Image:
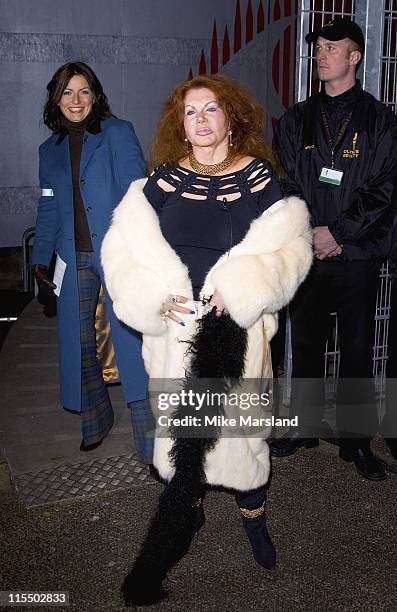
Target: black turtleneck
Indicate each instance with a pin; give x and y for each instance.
(76, 131)
(337, 108)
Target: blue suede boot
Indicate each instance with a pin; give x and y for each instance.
(252, 508)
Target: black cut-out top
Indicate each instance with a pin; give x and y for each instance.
(203, 217)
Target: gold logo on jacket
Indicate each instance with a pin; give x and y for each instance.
(352, 153)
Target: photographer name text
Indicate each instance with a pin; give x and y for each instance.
(244, 420)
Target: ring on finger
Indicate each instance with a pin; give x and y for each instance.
(173, 299)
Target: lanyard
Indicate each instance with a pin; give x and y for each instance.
(340, 133)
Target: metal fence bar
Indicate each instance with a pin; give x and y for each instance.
(367, 13)
(301, 70)
(389, 56)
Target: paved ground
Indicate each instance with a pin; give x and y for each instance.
(35, 431)
(335, 532)
(12, 302)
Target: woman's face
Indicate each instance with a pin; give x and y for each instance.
(76, 101)
(205, 123)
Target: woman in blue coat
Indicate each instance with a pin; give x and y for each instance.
(86, 167)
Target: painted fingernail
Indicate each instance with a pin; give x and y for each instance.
(192, 312)
(183, 324)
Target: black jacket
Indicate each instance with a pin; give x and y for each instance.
(359, 212)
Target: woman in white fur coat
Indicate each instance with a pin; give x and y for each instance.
(199, 258)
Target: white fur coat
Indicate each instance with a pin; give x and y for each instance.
(257, 278)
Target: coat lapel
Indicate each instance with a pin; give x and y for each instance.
(90, 144)
(138, 224)
(61, 160)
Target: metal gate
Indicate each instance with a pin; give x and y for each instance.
(378, 74)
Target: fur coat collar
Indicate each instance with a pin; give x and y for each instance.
(257, 278)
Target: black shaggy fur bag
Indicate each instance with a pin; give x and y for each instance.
(217, 353)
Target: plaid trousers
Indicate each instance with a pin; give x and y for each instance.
(96, 409)
(143, 429)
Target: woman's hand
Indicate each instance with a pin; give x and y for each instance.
(217, 301)
(42, 278)
(172, 305)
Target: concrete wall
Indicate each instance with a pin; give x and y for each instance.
(139, 49)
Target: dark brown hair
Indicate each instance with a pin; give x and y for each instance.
(245, 115)
(52, 114)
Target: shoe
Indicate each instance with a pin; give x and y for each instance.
(392, 446)
(367, 465)
(254, 523)
(86, 448)
(261, 544)
(154, 473)
(290, 443)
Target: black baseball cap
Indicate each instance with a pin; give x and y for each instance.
(337, 29)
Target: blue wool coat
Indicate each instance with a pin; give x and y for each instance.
(110, 160)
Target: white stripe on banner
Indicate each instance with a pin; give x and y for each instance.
(47, 192)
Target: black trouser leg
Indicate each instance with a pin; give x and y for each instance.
(310, 325)
(277, 343)
(277, 348)
(356, 414)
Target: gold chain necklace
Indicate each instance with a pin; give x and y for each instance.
(213, 168)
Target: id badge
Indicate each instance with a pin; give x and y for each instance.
(330, 175)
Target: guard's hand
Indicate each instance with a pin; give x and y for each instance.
(323, 242)
(337, 251)
(42, 278)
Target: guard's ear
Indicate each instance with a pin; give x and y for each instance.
(355, 57)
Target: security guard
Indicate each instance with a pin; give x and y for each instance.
(338, 151)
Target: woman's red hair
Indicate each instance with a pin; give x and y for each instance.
(245, 115)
